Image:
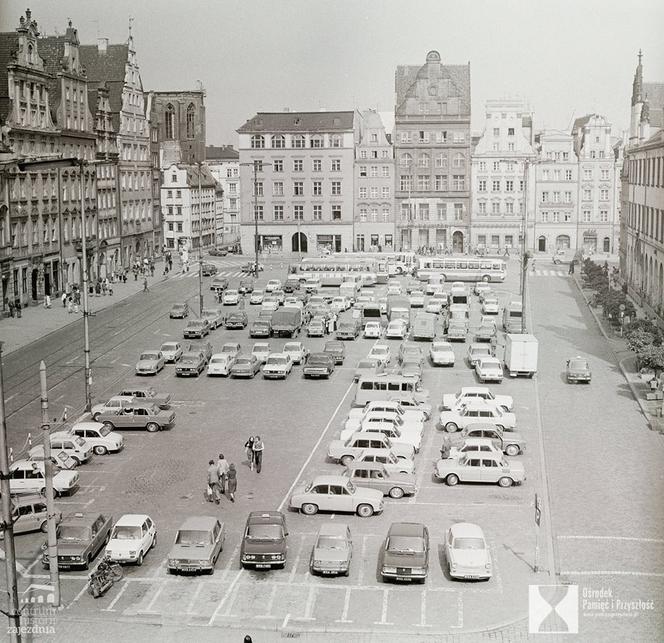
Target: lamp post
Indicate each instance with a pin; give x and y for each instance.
(86, 312)
(256, 164)
(200, 242)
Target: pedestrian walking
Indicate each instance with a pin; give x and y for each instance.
(64, 299)
(222, 468)
(47, 301)
(18, 308)
(151, 270)
(571, 267)
(335, 317)
(145, 285)
(258, 447)
(213, 482)
(231, 483)
(70, 304)
(12, 308)
(249, 447)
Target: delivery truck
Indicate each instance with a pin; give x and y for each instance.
(286, 322)
(520, 354)
(424, 326)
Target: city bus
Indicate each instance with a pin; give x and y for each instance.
(462, 268)
(334, 270)
(391, 263)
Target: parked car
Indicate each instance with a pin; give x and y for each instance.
(270, 303)
(578, 370)
(261, 350)
(209, 269)
(198, 543)
(416, 299)
(490, 306)
(485, 332)
(245, 365)
(466, 393)
(257, 296)
(380, 353)
(218, 252)
(133, 536)
(191, 363)
(367, 367)
(412, 414)
(336, 349)
(476, 446)
(411, 369)
(481, 286)
(232, 348)
(441, 353)
(214, 317)
(29, 513)
(114, 404)
(172, 352)
(81, 536)
(264, 542)
(139, 416)
(236, 320)
(203, 347)
(260, 328)
(150, 362)
(333, 550)
(373, 330)
(375, 476)
(348, 329)
(508, 441)
(272, 285)
(489, 369)
(99, 437)
(467, 553)
(410, 352)
(345, 451)
(457, 329)
(476, 351)
(337, 494)
(277, 366)
(219, 284)
(297, 351)
(316, 327)
(397, 329)
(319, 365)
(29, 476)
(340, 304)
(246, 286)
(388, 458)
(196, 328)
(475, 411)
(391, 424)
(487, 468)
(220, 364)
(179, 311)
(76, 447)
(231, 297)
(405, 553)
(147, 393)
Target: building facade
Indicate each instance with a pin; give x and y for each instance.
(432, 145)
(499, 163)
(642, 220)
(224, 164)
(374, 220)
(296, 181)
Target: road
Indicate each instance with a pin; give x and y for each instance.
(590, 528)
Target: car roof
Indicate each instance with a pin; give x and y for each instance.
(83, 518)
(199, 523)
(278, 354)
(85, 425)
(336, 529)
(466, 530)
(474, 389)
(478, 404)
(489, 359)
(482, 426)
(477, 441)
(131, 520)
(265, 517)
(330, 479)
(406, 529)
(366, 465)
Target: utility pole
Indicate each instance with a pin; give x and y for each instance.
(524, 247)
(86, 313)
(200, 243)
(256, 217)
(13, 612)
(48, 472)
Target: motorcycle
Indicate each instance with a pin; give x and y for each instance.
(102, 578)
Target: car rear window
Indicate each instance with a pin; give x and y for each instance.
(264, 532)
(192, 537)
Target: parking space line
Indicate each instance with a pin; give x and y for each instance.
(659, 541)
(75, 599)
(148, 610)
(111, 605)
(311, 600)
(291, 576)
(160, 568)
(344, 614)
(232, 557)
(193, 599)
(459, 624)
(423, 611)
(25, 572)
(383, 617)
(360, 578)
(611, 573)
(224, 598)
(270, 605)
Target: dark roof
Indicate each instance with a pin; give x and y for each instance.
(52, 49)
(106, 67)
(8, 48)
(654, 93)
(223, 152)
(296, 122)
(580, 122)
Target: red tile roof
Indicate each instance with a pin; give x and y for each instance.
(298, 122)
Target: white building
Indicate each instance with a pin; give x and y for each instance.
(224, 165)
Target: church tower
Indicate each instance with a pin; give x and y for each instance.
(637, 103)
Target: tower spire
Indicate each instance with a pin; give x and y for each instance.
(637, 85)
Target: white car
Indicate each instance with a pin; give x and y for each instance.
(416, 299)
(220, 364)
(150, 362)
(232, 348)
(261, 350)
(298, 353)
(411, 414)
(398, 429)
(340, 304)
(467, 553)
(380, 353)
(373, 330)
(441, 354)
(277, 366)
(394, 288)
(270, 303)
(257, 297)
(388, 459)
(436, 304)
(272, 285)
(490, 306)
(230, 298)
(397, 329)
(114, 404)
(99, 437)
(28, 476)
(172, 351)
(477, 351)
(133, 536)
(454, 401)
(473, 412)
(481, 286)
(489, 369)
(293, 302)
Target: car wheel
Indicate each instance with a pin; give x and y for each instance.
(365, 511)
(109, 425)
(505, 482)
(451, 427)
(95, 417)
(512, 449)
(152, 427)
(100, 450)
(452, 479)
(346, 460)
(139, 560)
(44, 526)
(154, 542)
(396, 492)
(309, 509)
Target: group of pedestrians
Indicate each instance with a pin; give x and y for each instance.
(221, 479)
(254, 447)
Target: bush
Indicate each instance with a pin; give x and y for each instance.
(652, 357)
(639, 340)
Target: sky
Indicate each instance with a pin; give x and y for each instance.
(567, 58)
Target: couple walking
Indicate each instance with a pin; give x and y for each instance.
(221, 477)
(254, 447)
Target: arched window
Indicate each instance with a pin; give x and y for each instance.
(406, 160)
(278, 141)
(190, 120)
(170, 122)
(257, 141)
(459, 160)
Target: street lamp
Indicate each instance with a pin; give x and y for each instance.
(256, 164)
(200, 242)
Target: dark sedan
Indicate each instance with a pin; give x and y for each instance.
(191, 363)
(196, 328)
(319, 365)
(238, 319)
(405, 555)
(179, 311)
(336, 350)
(245, 366)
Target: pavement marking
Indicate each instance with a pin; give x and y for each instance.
(466, 504)
(222, 602)
(148, 610)
(659, 541)
(11, 397)
(611, 573)
(459, 624)
(75, 599)
(231, 559)
(111, 605)
(193, 599)
(344, 614)
(286, 618)
(311, 600)
(26, 571)
(315, 447)
(383, 617)
(360, 578)
(423, 610)
(270, 605)
(291, 576)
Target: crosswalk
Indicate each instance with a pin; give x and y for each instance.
(548, 273)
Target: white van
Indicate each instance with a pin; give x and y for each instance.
(350, 289)
(371, 388)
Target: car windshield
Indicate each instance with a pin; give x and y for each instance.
(178, 306)
(265, 532)
(74, 532)
(195, 324)
(169, 347)
(243, 360)
(149, 356)
(318, 359)
(192, 537)
(257, 292)
(469, 543)
(261, 323)
(291, 348)
(277, 360)
(104, 431)
(127, 532)
(221, 359)
(189, 359)
(331, 542)
(405, 544)
(579, 364)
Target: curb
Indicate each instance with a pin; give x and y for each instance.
(623, 370)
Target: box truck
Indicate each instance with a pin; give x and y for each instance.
(520, 354)
(424, 326)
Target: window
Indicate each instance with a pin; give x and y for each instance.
(481, 206)
(495, 207)
(459, 160)
(423, 160)
(587, 194)
(496, 166)
(568, 197)
(385, 171)
(509, 186)
(587, 175)
(568, 175)
(586, 216)
(441, 211)
(604, 195)
(545, 217)
(298, 165)
(298, 188)
(316, 141)
(374, 192)
(335, 140)
(373, 171)
(191, 114)
(556, 197)
(318, 212)
(509, 207)
(258, 166)
(385, 192)
(336, 188)
(510, 131)
(458, 211)
(510, 147)
(458, 182)
(336, 213)
(423, 182)
(258, 213)
(336, 165)
(317, 165)
(604, 216)
(258, 188)
(386, 214)
(496, 131)
(545, 197)
(405, 183)
(495, 186)
(363, 193)
(481, 186)
(278, 188)
(299, 141)
(441, 183)
(374, 214)
(257, 141)
(317, 188)
(441, 160)
(298, 212)
(363, 170)
(278, 211)
(556, 217)
(278, 141)
(363, 215)
(169, 119)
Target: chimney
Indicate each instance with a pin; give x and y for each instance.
(102, 45)
(286, 109)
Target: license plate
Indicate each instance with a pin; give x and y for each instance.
(262, 566)
(328, 571)
(404, 578)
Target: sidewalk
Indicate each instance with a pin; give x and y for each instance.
(37, 321)
(626, 361)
